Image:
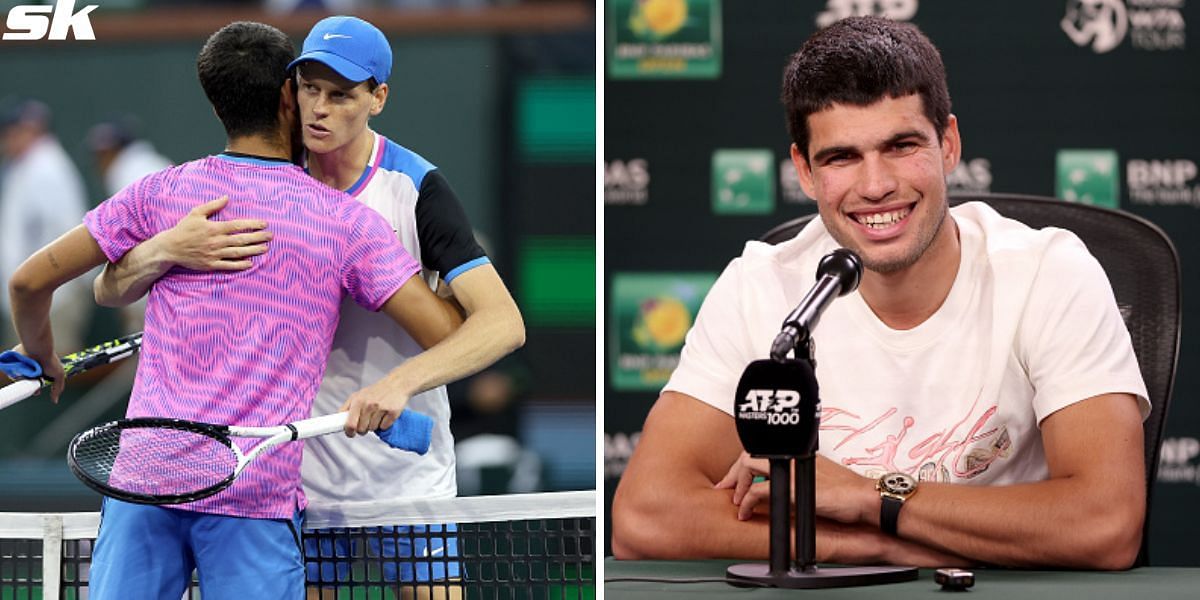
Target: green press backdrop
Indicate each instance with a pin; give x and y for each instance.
(1095, 101)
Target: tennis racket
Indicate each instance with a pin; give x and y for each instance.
(172, 461)
(73, 364)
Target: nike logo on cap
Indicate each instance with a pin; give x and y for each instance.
(330, 36)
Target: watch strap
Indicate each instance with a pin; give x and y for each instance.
(889, 514)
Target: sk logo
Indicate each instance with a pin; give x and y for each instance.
(30, 23)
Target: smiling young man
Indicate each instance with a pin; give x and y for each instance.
(981, 402)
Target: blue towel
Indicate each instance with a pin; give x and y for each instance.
(19, 366)
(411, 431)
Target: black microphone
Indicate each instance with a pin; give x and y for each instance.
(838, 274)
(777, 410)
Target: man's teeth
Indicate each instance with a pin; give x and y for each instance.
(882, 220)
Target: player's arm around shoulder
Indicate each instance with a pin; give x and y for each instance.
(195, 242)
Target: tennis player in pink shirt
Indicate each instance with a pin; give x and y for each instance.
(237, 347)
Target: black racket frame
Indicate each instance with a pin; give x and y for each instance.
(219, 433)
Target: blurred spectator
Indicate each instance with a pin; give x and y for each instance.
(121, 157)
(42, 197)
(488, 402)
(486, 410)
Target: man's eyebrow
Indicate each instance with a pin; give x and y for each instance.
(345, 88)
(919, 135)
(896, 138)
(824, 153)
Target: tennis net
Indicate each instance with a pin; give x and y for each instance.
(511, 547)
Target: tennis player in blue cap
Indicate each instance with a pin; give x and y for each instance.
(342, 77)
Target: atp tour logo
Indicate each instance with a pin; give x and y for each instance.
(1104, 24)
(776, 407)
(896, 10)
(29, 22)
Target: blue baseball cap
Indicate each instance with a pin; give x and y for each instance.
(354, 48)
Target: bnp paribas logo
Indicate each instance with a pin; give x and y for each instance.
(1089, 177)
(743, 181)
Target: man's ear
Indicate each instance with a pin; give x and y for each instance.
(379, 99)
(951, 145)
(803, 172)
(287, 96)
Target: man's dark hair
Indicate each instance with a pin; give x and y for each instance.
(859, 61)
(242, 68)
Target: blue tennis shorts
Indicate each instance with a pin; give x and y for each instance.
(410, 554)
(149, 552)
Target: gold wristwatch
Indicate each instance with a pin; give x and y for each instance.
(894, 489)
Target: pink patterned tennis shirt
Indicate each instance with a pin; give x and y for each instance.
(249, 347)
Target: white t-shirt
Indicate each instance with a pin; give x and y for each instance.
(1030, 326)
(363, 479)
(132, 163)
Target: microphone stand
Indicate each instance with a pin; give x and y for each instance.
(804, 574)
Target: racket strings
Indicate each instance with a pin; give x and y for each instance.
(155, 461)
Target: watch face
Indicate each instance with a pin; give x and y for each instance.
(897, 483)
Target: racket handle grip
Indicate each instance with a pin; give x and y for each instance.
(18, 391)
(411, 431)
